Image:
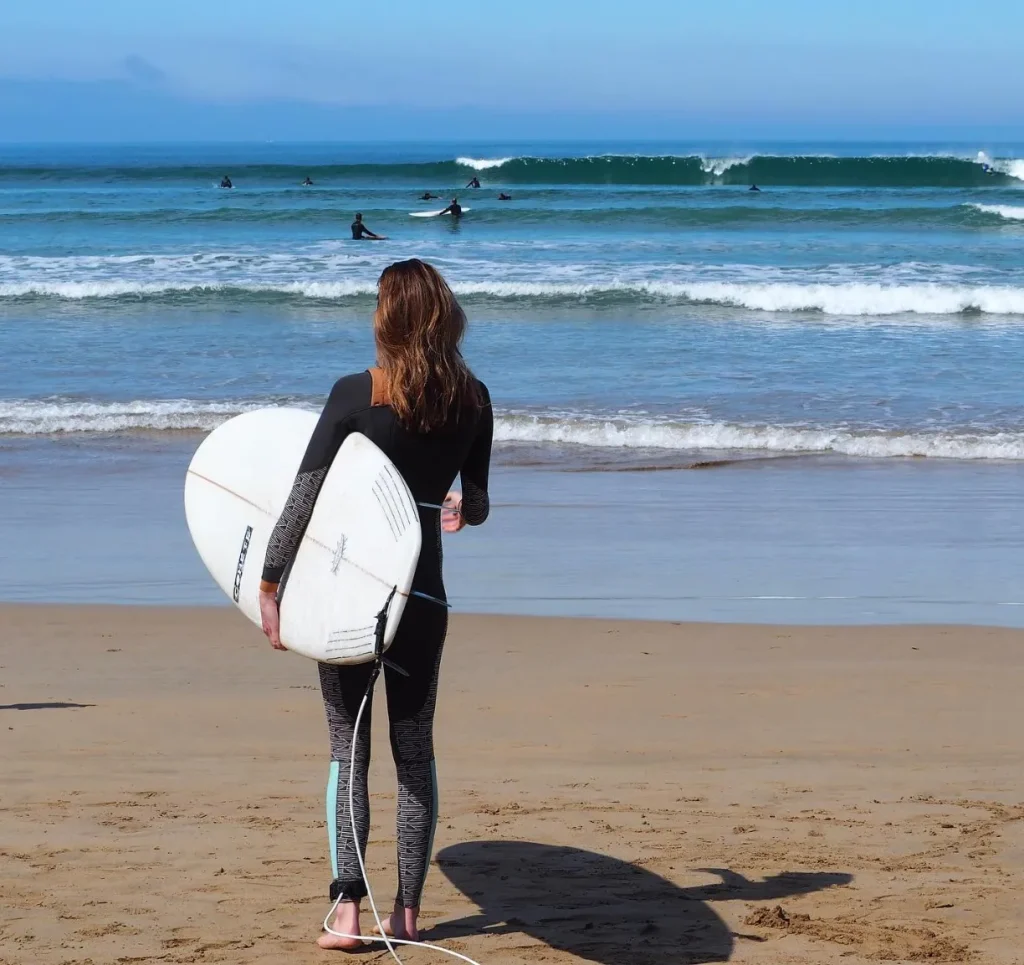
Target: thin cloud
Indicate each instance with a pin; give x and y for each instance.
(143, 72)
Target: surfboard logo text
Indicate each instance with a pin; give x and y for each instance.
(241, 563)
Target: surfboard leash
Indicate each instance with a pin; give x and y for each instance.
(379, 662)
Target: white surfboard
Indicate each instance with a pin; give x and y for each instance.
(362, 542)
(432, 214)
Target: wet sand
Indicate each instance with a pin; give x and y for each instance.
(775, 540)
(611, 792)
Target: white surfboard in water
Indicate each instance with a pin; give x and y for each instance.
(362, 542)
(432, 214)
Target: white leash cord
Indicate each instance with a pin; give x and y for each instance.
(382, 937)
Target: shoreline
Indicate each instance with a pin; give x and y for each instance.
(772, 542)
(611, 791)
(198, 610)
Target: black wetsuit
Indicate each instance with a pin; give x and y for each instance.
(429, 463)
(359, 231)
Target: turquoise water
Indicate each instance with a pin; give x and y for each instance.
(633, 307)
(869, 304)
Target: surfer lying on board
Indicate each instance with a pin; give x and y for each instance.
(360, 231)
(427, 196)
(504, 197)
(454, 209)
(428, 413)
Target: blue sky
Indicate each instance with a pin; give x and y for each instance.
(731, 67)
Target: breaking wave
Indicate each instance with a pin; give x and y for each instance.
(61, 416)
(1008, 211)
(69, 416)
(765, 169)
(851, 299)
(698, 436)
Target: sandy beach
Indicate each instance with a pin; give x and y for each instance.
(611, 792)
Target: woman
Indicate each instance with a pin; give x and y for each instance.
(422, 406)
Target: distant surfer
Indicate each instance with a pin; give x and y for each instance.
(474, 183)
(504, 197)
(308, 183)
(360, 231)
(754, 187)
(427, 196)
(454, 209)
(225, 182)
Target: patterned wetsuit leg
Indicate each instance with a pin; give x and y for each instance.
(411, 703)
(343, 689)
(417, 650)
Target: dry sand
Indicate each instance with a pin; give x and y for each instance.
(616, 793)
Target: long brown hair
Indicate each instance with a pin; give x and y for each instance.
(418, 327)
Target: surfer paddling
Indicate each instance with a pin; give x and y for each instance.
(454, 209)
(360, 231)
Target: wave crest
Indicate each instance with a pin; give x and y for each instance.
(695, 169)
(70, 416)
(718, 166)
(850, 299)
(618, 434)
(1008, 211)
(483, 164)
(764, 169)
(62, 417)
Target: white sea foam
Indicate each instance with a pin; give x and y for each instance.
(483, 164)
(1008, 211)
(71, 416)
(856, 299)
(1012, 167)
(61, 416)
(79, 290)
(719, 165)
(332, 271)
(616, 434)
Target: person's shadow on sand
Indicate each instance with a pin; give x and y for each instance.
(51, 705)
(600, 908)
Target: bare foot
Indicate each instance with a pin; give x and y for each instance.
(346, 920)
(401, 924)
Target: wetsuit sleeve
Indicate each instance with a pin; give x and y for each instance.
(349, 395)
(476, 504)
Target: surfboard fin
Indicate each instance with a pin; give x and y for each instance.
(382, 623)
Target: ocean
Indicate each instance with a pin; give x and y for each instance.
(800, 404)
